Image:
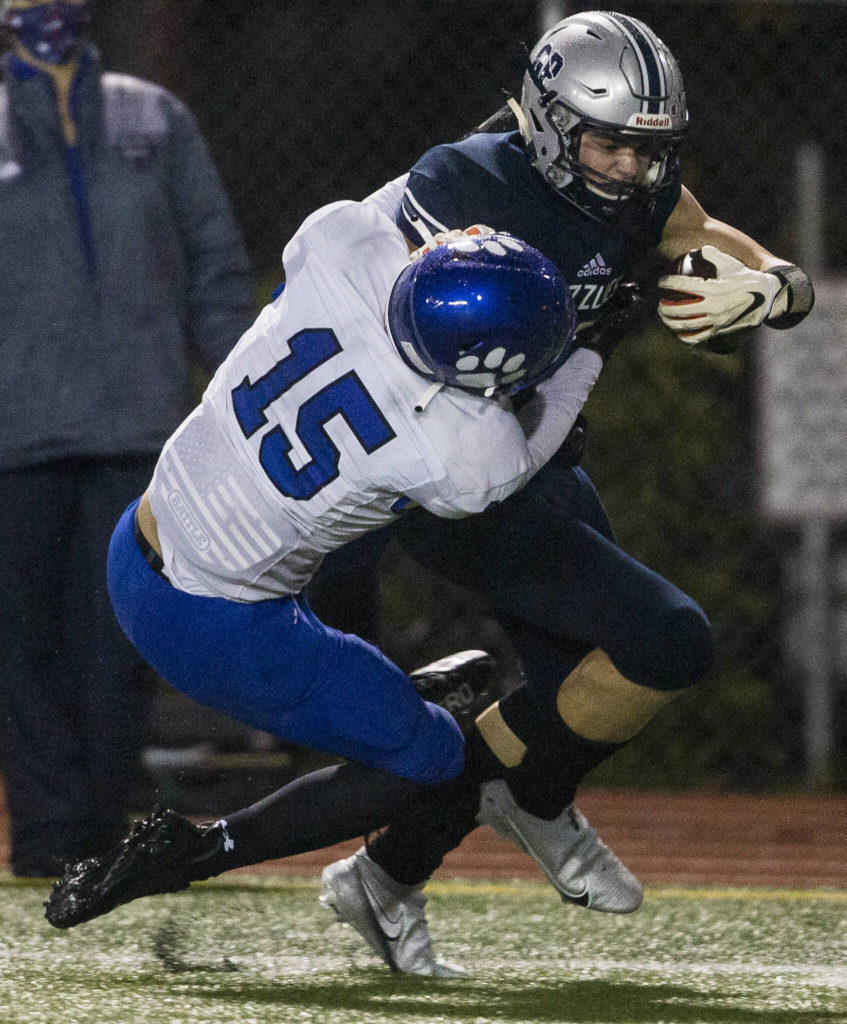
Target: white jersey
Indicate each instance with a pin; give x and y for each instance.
(307, 435)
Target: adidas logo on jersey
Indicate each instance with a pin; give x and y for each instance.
(595, 268)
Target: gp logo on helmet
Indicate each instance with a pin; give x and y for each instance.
(548, 63)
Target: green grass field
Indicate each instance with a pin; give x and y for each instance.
(258, 952)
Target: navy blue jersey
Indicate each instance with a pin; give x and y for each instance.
(488, 179)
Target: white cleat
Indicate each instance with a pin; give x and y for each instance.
(567, 849)
(387, 914)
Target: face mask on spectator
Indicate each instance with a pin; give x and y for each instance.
(52, 32)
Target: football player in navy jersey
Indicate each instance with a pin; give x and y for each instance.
(588, 172)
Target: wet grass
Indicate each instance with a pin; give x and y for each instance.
(258, 952)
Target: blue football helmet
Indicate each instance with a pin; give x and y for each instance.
(488, 314)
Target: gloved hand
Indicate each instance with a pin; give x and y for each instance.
(442, 237)
(625, 312)
(733, 298)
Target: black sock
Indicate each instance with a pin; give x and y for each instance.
(556, 758)
(520, 713)
(317, 810)
(413, 846)
(556, 761)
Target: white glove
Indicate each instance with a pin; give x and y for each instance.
(737, 297)
(443, 237)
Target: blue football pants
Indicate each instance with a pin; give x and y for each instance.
(274, 665)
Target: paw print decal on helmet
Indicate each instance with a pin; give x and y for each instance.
(471, 370)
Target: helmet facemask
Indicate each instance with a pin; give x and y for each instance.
(578, 180)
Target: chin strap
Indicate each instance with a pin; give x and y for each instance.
(794, 300)
(427, 397)
(520, 117)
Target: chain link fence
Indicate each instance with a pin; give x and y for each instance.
(306, 103)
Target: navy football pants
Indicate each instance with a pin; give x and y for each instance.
(547, 563)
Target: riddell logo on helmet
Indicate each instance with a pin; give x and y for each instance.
(649, 121)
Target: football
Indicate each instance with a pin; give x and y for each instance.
(693, 264)
(689, 264)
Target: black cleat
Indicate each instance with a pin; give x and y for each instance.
(463, 683)
(153, 858)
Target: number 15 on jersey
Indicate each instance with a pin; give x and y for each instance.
(346, 396)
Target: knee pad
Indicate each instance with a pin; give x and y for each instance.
(683, 651)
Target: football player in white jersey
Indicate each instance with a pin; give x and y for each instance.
(373, 382)
(318, 428)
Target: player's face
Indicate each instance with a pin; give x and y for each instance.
(619, 159)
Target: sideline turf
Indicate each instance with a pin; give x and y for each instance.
(256, 951)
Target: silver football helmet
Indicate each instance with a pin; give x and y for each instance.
(610, 74)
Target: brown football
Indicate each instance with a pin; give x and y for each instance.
(689, 264)
(693, 264)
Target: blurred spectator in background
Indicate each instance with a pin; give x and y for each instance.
(120, 263)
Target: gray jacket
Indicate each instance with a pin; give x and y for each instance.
(119, 259)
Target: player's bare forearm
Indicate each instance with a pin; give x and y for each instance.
(689, 227)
